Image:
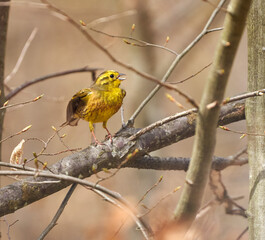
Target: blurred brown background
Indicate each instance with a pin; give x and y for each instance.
(57, 47)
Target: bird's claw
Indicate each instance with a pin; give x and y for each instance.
(109, 137)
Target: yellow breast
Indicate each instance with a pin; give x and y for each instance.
(101, 105)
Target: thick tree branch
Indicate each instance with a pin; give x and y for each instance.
(204, 144)
(180, 163)
(93, 159)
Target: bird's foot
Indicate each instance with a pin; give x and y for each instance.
(109, 137)
(98, 143)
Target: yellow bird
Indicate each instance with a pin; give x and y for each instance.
(97, 103)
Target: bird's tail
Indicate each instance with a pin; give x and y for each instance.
(71, 122)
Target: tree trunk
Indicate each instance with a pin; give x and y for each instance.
(255, 115)
(204, 143)
(4, 12)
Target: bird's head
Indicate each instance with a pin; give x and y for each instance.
(110, 79)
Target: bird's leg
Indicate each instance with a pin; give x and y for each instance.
(97, 142)
(109, 135)
(91, 127)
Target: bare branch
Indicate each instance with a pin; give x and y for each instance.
(145, 229)
(23, 4)
(8, 227)
(180, 163)
(242, 133)
(205, 138)
(60, 152)
(160, 200)
(59, 212)
(17, 133)
(149, 190)
(177, 60)
(82, 164)
(242, 234)
(112, 17)
(17, 166)
(22, 103)
(142, 198)
(193, 75)
(214, 30)
(136, 42)
(121, 63)
(22, 55)
(193, 111)
(222, 196)
(245, 95)
(52, 75)
(38, 177)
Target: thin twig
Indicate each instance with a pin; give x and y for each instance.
(214, 30)
(64, 177)
(172, 99)
(141, 199)
(53, 222)
(112, 17)
(160, 200)
(23, 4)
(161, 122)
(41, 153)
(243, 134)
(222, 197)
(63, 143)
(17, 133)
(130, 156)
(193, 110)
(238, 154)
(214, 5)
(22, 103)
(43, 182)
(149, 190)
(242, 234)
(141, 42)
(48, 76)
(58, 153)
(45, 146)
(244, 96)
(147, 232)
(121, 63)
(193, 75)
(22, 55)
(176, 61)
(36, 155)
(8, 227)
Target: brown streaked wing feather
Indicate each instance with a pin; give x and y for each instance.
(75, 103)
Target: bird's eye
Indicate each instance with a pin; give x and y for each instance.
(111, 75)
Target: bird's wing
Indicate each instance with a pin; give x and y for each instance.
(78, 101)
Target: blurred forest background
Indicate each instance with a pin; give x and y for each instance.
(58, 46)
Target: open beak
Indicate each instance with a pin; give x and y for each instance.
(122, 78)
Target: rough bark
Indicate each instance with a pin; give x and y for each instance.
(80, 164)
(4, 12)
(255, 113)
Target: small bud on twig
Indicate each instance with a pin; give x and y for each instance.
(82, 23)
